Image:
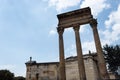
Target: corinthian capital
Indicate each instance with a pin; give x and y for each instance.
(60, 30)
(76, 28)
(93, 23)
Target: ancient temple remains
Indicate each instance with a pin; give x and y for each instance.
(75, 19)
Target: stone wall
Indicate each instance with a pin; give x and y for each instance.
(43, 71)
(50, 71)
(91, 70)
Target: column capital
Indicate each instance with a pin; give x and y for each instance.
(93, 23)
(76, 28)
(60, 30)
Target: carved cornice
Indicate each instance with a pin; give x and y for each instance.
(80, 16)
(83, 11)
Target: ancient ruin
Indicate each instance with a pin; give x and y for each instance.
(87, 67)
(75, 19)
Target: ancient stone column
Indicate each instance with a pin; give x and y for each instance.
(61, 54)
(79, 54)
(101, 62)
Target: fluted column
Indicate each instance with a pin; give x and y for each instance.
(61, 54)
(79, 54)
(101, 62)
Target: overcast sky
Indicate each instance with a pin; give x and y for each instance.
(28, 28)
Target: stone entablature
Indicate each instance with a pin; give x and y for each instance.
(80, 16)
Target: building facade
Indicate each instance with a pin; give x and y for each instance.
(50, 70)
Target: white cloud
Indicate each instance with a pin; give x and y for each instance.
(96, 6)
(71, 51)
(86, 46)
(114, 18)
(63, 4)
(112, 32)
(69, 30)
(82, 28)
(52, 32)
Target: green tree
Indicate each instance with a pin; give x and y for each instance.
(19, 78)
(6, 75)
(112, 57)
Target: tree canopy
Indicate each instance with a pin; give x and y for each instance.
(6, 75)
(112, 57)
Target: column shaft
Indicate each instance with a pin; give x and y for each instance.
(61, 54)
(79, 54)
(101, 62)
